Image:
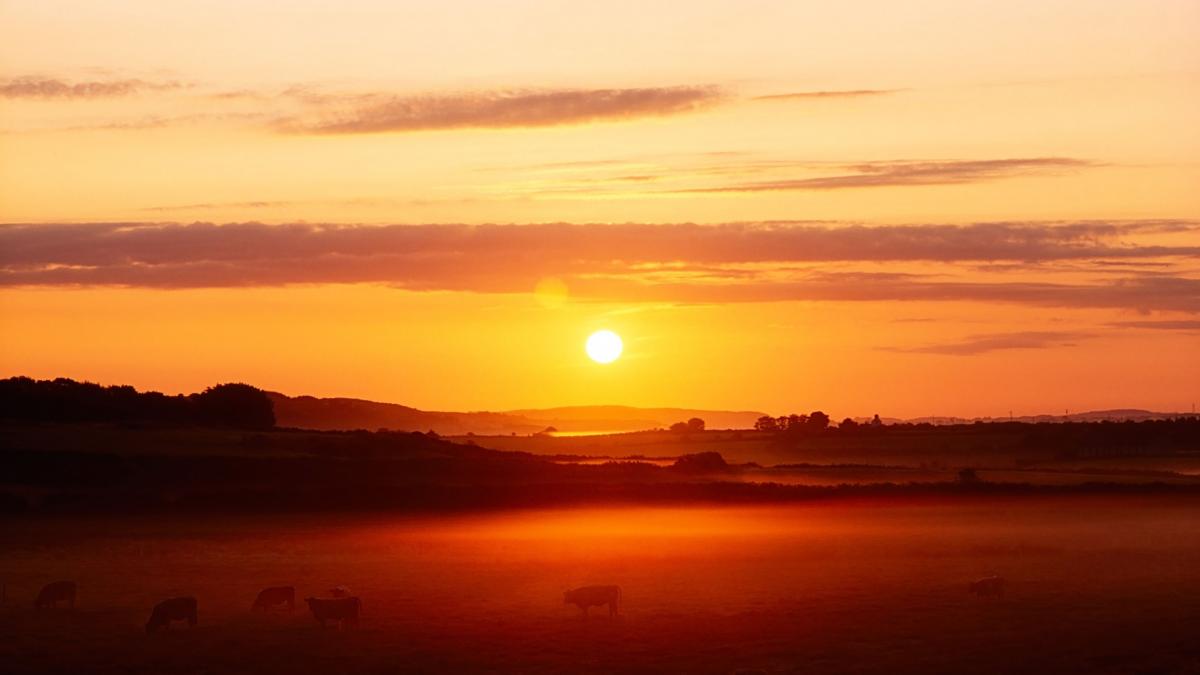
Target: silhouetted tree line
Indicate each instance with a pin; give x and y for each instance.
(1092, 438)
(695, 424)
(814, 422)
(1068, 439)
(239, 406)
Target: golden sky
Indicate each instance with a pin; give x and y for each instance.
(935, 207)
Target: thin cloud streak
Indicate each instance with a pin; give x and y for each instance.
(809, 95)
(982, 344)
(509, 109)
(912, 173)
(1178, 294)
(1183, 325)
(252, 204)
(53, 88)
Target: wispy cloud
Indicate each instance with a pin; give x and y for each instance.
(252, 204)
(981, 344)
(54, 88)
(809, 95)
(507, 109)
(740, 262)
(908, 173)
(163, 122)
(1184, 325)
(1179, 294)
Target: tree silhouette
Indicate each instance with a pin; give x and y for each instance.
(234, 405)
(794, 423)
(695, 424)
(766, 423)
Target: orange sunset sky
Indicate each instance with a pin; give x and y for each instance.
(942, 207)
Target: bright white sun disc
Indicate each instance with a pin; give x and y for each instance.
(604, 346)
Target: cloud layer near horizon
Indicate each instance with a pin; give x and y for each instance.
(743, 262)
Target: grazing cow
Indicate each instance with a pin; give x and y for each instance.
(342, 610)
(587, 596)
(53, 593)
(175, 609)
(339, 592)
(274, 596)
(988, 587)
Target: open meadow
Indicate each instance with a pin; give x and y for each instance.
(1097, 584)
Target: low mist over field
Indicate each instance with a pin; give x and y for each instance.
(1104, 584)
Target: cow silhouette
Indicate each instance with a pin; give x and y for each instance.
(275, 596)
(588, 596)
(53, 593)
(988, 587)
(174, 609)
(342, 610)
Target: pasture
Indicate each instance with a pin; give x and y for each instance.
(1095, 584)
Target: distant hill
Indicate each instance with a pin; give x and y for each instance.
(244, 406)
(1119, 414)
(308, 412)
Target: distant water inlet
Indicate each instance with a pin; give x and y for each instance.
(574, 434)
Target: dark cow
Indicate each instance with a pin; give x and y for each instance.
(175, 609)
(988, 587)
(52, 594)
(588, 596)
(275, 596)
(342, 610)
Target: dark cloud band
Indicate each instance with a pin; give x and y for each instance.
(681, 262)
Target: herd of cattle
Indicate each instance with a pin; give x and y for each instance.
(342, 608)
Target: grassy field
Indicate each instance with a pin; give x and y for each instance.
(1105, 585)
(997, 446)
(997, 453)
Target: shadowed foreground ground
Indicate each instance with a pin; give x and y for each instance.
(1097, 585)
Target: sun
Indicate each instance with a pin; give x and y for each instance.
(604, 346)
